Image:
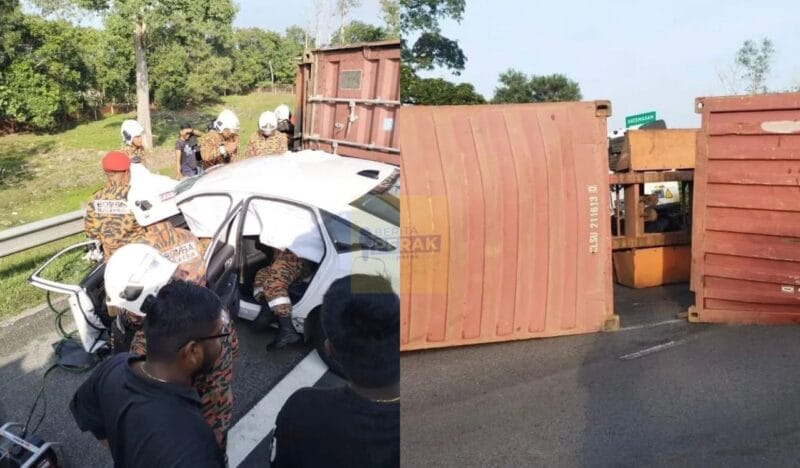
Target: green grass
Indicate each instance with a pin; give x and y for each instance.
(44, 175)
(50, 174)
(17, 295)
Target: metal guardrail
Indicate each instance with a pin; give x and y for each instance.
(39, 233)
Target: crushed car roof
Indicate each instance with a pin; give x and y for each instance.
(312, 177)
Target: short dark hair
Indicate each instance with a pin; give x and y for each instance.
(361, 319)
(185, 125)
(182, 311)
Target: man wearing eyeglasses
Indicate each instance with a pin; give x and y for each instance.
(145, 408)
(138, 270)
(181, 247)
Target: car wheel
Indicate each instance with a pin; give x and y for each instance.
(316, 336)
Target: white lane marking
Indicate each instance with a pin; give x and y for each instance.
(254, 426)
(650, 325)
(651, 350)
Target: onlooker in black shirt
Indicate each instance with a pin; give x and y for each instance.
(186, 152)
(357, 425)
(145, 407)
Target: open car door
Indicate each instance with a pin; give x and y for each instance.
(85, 289)
(222, 262)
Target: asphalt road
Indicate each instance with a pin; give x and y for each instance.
(26, 352)
(716, 396)
(709, 395)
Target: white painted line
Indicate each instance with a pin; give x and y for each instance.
(651, 350)
(254, 426)
(651, 325)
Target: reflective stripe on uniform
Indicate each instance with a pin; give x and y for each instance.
(279, 301)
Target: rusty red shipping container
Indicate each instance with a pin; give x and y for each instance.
(505, 217)
(347, 100)
(746, 232)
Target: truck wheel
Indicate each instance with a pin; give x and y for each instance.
(316, 336)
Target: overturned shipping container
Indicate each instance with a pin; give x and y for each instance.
(746, 232)
(347, 100)
(505, 218)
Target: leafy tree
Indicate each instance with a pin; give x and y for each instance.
(113, 60)
(46, 79)
(555, 88)
(357, 32)
(299, 36)
(408, 81)
(167, 68)
(516, 87)
(754, 60)
(749, 69)
(419, 19)
(250, 48)
(343, 8)
(52, 72)
(263, 57)
(436, 91)
(287, 56)
(31, 98)
(203, 31)
(202, 28)
(11, 28)
(255, 50)
(391, 18)
(430, 49)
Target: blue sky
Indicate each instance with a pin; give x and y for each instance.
(274, 15)
(641, 55)
(278, 15)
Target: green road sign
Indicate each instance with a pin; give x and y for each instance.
(639, 119)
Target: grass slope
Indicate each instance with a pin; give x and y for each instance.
(46, 175)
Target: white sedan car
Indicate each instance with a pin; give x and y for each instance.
(342, 214)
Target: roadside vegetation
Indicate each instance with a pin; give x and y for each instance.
(44, 175)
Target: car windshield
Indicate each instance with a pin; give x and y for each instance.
(383, 201)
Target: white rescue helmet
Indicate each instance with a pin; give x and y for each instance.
(282, 112)
(268, 122)
(133, 273)
(130, 130)
(151, 198)
(227, 120)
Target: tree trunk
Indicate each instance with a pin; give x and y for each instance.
(271, 74)
(142, 86)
